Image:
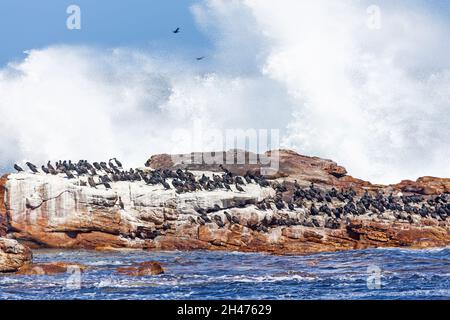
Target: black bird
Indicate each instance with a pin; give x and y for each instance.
(191, 220)
(32, 167)
(45, 170)
(50, 167)
(239, 188)
(228, 217)
(69, 174)
(314, 210)
(105, 167)
(92, 182)
(206, 218)
(200, 58)
(165, 185)
(177, 30)
(200, 221)
(219, 221)
(119, 164)
(111, 165)
(239, 181)
(97, 166)
(105, 178)
(19, 169)
(121, 205)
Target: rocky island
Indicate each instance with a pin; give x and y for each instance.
(307, 205)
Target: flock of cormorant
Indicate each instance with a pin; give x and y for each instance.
(331, 204)
(334, 206)
(102, 173)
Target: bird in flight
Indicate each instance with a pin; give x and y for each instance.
(177, 30)
(200, 58)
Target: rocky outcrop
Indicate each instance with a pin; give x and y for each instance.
(53, 211)
(293, 166)
(13, 255)
(289, 164)
(425, 186)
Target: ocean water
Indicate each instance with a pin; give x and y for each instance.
(367, 274)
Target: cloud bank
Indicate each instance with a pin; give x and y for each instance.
(376, 100)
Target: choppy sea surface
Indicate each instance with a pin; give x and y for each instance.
(368, 274)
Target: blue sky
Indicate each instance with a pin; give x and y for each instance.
(26, 24)
(144, 24)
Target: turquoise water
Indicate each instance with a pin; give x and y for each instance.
(368, 274)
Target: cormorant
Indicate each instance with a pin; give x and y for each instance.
(92, 182)
(119, 164)
(111, 165)
(32, 167)
(19, 169)
(45, 170)
(191, 219)
(69, 174)
(105, 178)
(165, 185)
(121, 205)
(200, 221)
(235, 219)
(228, 217)
(177, 30)
(97, 166)
(50, 167)
(314, 210)
(219, 221)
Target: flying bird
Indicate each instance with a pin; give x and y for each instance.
(177, 30)
(200, 58)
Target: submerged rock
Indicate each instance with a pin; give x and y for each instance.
(50, 268)
(149, 268)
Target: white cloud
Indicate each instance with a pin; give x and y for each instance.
(376, 101)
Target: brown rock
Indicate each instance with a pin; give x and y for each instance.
(13, 255)
(149, 268)
(425, 186)
(3, 205)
